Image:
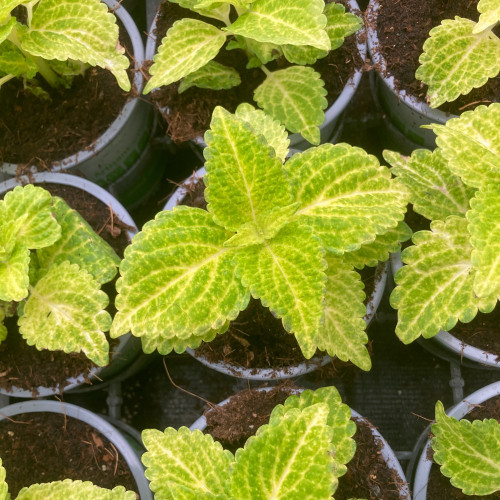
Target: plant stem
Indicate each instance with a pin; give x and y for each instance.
(265, 70)
(5, 79)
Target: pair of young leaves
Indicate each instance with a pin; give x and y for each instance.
(60, 37)
(300, 30)
(300, 454)
(461, 55)
(287, 233)
(52, 266)
(454, 269)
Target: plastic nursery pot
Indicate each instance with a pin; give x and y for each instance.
(331, 128)
(290, 371)
(131, 455)
(387, 452)
(406, 113)
(449, 347)
(121, 159)
(129, 348)
(424, 452)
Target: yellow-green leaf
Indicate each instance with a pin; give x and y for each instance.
(340, 24)
(14, 278)
(213, 75)
(490, 14)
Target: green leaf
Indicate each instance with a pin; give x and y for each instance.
(188, 46)
(184, 458)
(378, 251)
(295, 97)
(207, 4)
(435, 191)
(490, 15)
(82, 30)
(455, 60)
(4, 490)
(435, 288)
(244, 179)
(346, 196)
(339, 420)
(14, 278)
(468, 452)
(274, 133)
(214, 9)
(14, 62)
(62, 490)
(65, 311)
(302, 55)
(287, 274)
(177, 278)
(6, 28)
(288, 459)
(33, 204)
(484, 229)
(343, 334)
(295, 22)
(79, 244)
(340, 24)
(258, 53)
(7, 7)
(470, 144)
(3, 336)
(211, 76)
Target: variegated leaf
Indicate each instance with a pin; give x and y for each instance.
(167, 345)
(295, 22)
(288, 459)
(7, 6)
(484, 229)
(244, 178)
(3, 336)
(34, 204)
(258, 53)
(455, 60)
(378, 251)
(62, 490)
(435, 288)
(6, 28)
(339, 419)
(274, 133)
(177, 278)
(14, 62)
(295, 96)
(468, 452)
(79, 244)
(14, 278)
(343, 333)
(182, 492)
(185, 458)
(340, 24)
(346, 196)
(207, 4)
(82, 30)
(65, 311)
(490, 14)
(287, 274)
(9, 232)
(302, 54)
(470, 144)
(211, 76)
(4, 490)
(188, 46)
(436, 192)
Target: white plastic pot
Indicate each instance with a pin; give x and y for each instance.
(122, 158)
(131, 456)
(129, 348)
(406, 112)
(444, 342)
(424, 465)
(290, 371)
(331, 128)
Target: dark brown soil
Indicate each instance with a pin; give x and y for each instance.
(39, 132)
(403, 27)
(25, 366)
(190, 112)
(45, 447)
(439, 486)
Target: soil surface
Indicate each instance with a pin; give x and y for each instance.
(25, 366)
(403, 27)
(39, 132)
(189, 113)
(45, 447)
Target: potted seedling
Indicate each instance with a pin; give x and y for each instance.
(262, 33)
(289, 234)
(452, 271)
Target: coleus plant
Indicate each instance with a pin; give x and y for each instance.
(453, 270)
(468, 452)
(287, 233)
(52, 266)
(299, 454)
(460, 55)
(302, 31)
(59, 40)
